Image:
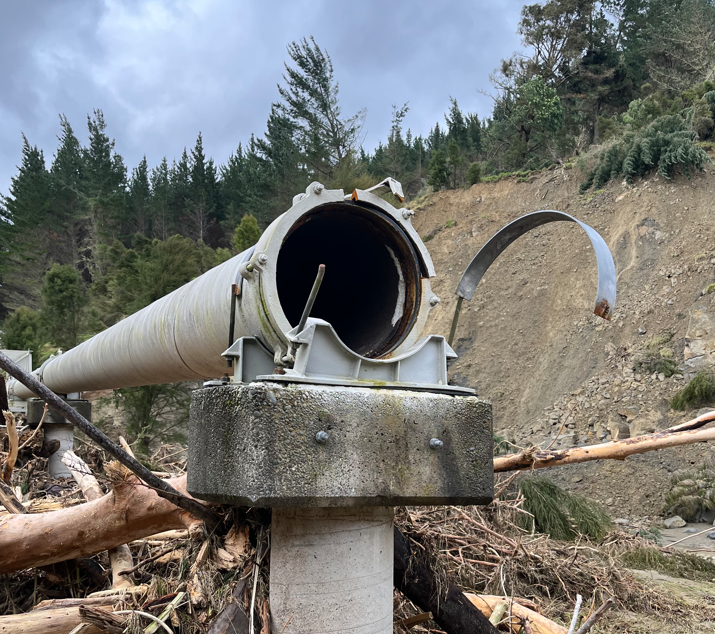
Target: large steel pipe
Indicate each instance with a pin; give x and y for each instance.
(376, 294)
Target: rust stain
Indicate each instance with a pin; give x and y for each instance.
(603, 309)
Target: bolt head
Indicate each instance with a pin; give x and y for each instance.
(436, 443)
(263, 258)
(318, 188)
(322, 437)
(434, 300)
(407, 214)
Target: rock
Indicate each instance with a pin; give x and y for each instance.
(577, 479)
(621, 521)
(647, 423)
(618, 427)
(676, 522)
(711, 535)
(690, 530)
(642, 330)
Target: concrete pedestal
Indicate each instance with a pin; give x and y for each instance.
(331, 461)
(331, 570)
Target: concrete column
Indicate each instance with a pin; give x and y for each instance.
(65, 434)
(331, 570)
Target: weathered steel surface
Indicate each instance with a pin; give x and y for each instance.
(606, 293)
(256, 445)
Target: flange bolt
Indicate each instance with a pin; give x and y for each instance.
(322, 437)
(262, 259)
(436, 443)
(434, 300)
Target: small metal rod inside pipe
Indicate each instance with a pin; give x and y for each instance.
(309, 304)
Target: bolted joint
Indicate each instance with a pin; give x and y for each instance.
(322, 437)
(262, 258)
(434, 300)
(436, 443)
(318, 188)
(407, 214)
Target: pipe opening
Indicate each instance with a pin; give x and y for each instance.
(371, 290)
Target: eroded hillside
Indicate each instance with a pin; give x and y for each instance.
(529, 342)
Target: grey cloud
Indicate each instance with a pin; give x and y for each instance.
(164, 70)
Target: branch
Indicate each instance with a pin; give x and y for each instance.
(162, 488)
(685, 434)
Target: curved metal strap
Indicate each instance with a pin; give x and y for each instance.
(606, 294)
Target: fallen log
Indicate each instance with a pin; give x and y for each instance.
(539, 623)
(534, 458)
(130, 511)
(45, 622)
(451, 610)
(120, 557)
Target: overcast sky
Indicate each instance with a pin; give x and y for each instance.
(163, 70)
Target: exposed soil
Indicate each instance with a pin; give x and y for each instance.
(529, 342)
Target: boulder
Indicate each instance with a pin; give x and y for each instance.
(674, 522)
(647, 423)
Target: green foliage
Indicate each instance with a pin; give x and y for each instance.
(24, 330)
(474, 174)
(674, 564)
(154, 413)
(246, 233)
(64, 299)
(692, 493)
(656, 364)
(699, 392)
(439, 170)
(559, 514)
(666, 144)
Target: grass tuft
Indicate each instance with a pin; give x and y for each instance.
(682, 565)
(699, 392)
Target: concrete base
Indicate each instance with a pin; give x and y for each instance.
(331, 570)
(256, 445)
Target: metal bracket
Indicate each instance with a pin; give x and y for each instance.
(323, 359)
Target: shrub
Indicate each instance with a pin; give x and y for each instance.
(667, 143)
(692, 493)
(559, 514)
(246, 234)
(652, 364)
(700, 391)
(474, 174)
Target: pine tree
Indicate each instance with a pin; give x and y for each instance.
(310, 101)
(64, 299)
(68, 205)
(438, 170)
(22, 239)
(105, 177)
(140, 198)
(161, 220)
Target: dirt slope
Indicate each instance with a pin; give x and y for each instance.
(529, 342)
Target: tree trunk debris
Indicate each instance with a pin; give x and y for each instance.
(450, 608)
(534, 458)
(130, 511)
